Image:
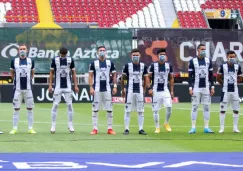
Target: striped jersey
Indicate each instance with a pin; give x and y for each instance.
(200, 69)
(160, 76)
(63, 67)
(135, 73)
(102, 71)
(230, 74)
(22, 76)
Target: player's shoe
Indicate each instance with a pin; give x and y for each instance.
(126, 132)
(235, 130)
(167, 127)
(110, 131)
(1, 132)
(142, 132)
(192, 131)
(53, 129)
(157, 131)
(14, 131)
(221, 130)
(95, 131)
(71, 129)
(208, 130)
(31, 131)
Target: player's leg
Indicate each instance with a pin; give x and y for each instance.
(206, 102)
(129, 101)
(168, 104)
(156, 105)
(109, 108)
(68, 99)
(195, 103)
(140, 110)
(236, 108)
(223, 108)
(29, 102)
(17, 100)
(56, 100)
(95, 108)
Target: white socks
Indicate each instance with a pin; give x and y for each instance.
(156, 119)
(222, 119)
(168, 113)
(15, 119)
(127, 120)
(194, 115)
(206, 114)
(30, 119)
(140, 120)
(235, 120)
(54, 114)
(109, 119)
(95, 120)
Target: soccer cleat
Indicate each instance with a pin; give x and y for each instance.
(71, 129)
(221, 130)
(142, 132)
(208, 130)
(31, 131)
(1, 132)
(95, 131)
(192, 131)
(53, 130)
(167, 127)
(126, 132)
(14, 131)
(110, 131)
(157, 131)
(236, 130)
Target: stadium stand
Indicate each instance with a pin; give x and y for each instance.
(18, 11)
(110, 13)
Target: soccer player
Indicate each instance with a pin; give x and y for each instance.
(134, 72)
(161, 71)
(63, 67)
(22, 72)
(201, 87)
(99, 82)
(228, 75)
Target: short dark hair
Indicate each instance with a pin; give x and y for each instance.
(63, 51)
(134, 51)
(161, 50)
(100, 47)
(200, 45)
(23, 45)
(231, 52)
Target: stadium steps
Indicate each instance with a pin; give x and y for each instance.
(45, 15)
(168, 11)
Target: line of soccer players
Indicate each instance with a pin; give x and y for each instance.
(135, 81)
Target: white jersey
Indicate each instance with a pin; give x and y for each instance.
(63, 67)
(135, 75)
(22, 76)
(160, 76)
(230, 75)
(199, 69)
(102, 71)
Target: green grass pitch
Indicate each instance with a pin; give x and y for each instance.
(176, 141)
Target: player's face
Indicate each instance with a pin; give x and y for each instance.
(23, 51)
(135, 57)
(162, 56)
(102, 52)
(63, 55)
(231, 58)
(202, 51)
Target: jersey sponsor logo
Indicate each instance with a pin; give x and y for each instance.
(11, 50)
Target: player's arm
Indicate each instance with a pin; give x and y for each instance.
(146, 80)
(171, 82)
(33, 69)
(114, 79)
(191, 73)
(124, 78)
(53, 66)
(91, 77)
(219, 77)
(210, 70)
(12, 69)
(150, 73)
(74, 76)
(240, 76)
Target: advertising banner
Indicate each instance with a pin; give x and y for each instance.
(181, 45)
(82, 44)
(41, 94)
